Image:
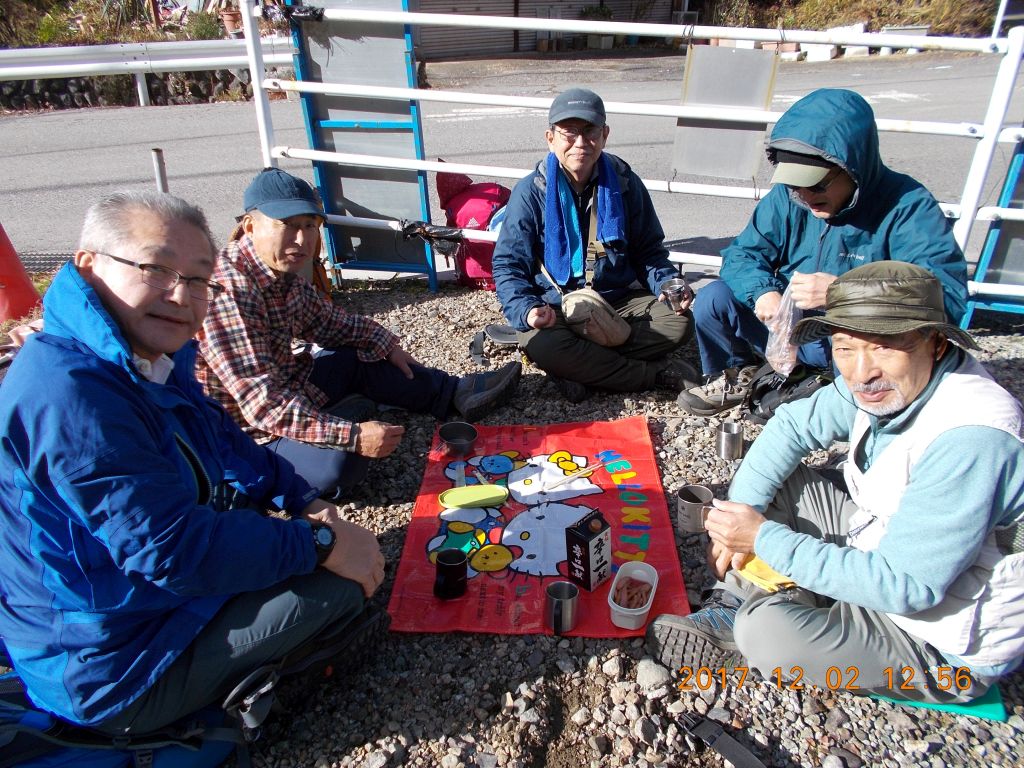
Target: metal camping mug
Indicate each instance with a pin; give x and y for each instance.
(450, 577)
(729, 440)
(692, 503)
(675, 291)
(561, 606)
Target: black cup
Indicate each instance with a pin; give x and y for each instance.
(450, 579)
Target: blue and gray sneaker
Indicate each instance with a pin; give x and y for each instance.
(702, 639)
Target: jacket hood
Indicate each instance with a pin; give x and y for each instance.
(837, 125)
(72, 310)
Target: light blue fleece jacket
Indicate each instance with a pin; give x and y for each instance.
(968, 481)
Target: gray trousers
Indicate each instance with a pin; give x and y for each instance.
(795, 637)
(631, 367)
(251, 630)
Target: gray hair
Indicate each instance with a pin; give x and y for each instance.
(108, 223)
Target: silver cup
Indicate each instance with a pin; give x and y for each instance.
(692, 503)
(561, 604)
(729, 440)
(675, 290)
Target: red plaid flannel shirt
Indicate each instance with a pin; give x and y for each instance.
(246, 359)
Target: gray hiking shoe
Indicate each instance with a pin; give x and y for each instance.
(718, 393)
(702, 639)
(676, 376)
(480, 393)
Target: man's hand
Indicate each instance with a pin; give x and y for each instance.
(767, 305)
(719, 559)
(356, 554)
(684, 302)
(734, 526)
(377, 439)
(402, 360)
(541, 317)
(808, 290)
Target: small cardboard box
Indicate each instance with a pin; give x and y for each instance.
(588, 550)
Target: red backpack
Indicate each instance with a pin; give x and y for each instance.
(470, 205)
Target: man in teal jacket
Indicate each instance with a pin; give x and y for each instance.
(140, 578)
(833, 207)
(902, 577)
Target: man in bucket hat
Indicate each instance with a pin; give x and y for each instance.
(905, 576)
(315, 408)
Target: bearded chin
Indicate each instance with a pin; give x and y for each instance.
(895, 404)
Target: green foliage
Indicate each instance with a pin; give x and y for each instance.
(599, 12)
(202, 26)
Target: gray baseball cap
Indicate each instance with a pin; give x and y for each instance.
(577, 103)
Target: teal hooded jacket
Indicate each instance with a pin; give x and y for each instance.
(890, 216)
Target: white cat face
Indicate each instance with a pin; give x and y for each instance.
(536, 537)
(535, 483)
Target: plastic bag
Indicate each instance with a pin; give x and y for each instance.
(780, 354)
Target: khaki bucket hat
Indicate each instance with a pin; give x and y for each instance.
(884, 298)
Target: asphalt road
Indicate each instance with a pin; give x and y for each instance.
(53, 165)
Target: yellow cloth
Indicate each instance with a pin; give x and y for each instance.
(758, 572)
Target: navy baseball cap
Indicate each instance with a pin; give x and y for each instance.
(577, 103)
(280, 195)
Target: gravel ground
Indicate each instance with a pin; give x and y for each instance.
(528, 701)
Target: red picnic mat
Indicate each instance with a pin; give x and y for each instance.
(519, 547)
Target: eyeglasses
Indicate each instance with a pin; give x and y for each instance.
(590, 133)
(166, 279)
(821, 186)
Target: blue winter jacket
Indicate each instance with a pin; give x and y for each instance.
(519, 284)
(891, 216)
(113, 551)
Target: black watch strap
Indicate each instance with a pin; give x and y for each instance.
(323, 541)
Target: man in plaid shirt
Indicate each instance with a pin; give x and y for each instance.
(307, 406)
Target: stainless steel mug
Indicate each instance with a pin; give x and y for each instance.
(692, 502)
(675, 291)
(561, 606)
(729, 440)
(450, 576)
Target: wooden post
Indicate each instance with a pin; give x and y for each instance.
(154, 10)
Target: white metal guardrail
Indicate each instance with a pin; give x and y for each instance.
(137, 59)
(989, 133)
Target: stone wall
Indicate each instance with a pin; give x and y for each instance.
(119, 90)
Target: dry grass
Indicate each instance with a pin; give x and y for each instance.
(969, 18)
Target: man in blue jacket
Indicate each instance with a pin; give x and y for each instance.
(583, 210)
(834, 206)
(140, 579)
(904, 577)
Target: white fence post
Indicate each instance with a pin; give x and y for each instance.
(254, 49)
(142, 89)
(998, 104)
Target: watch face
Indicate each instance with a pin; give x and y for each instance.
(323, 536)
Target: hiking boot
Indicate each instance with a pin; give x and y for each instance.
(572, 391)
(676, 376)
(702, 639)
(480, 393)
(718, 393)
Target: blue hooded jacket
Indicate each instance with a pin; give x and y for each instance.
(114, 552)
(642, 256)
(891, 216)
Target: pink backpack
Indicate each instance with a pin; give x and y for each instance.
(470, 205)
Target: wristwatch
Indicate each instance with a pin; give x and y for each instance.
(323, 540)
